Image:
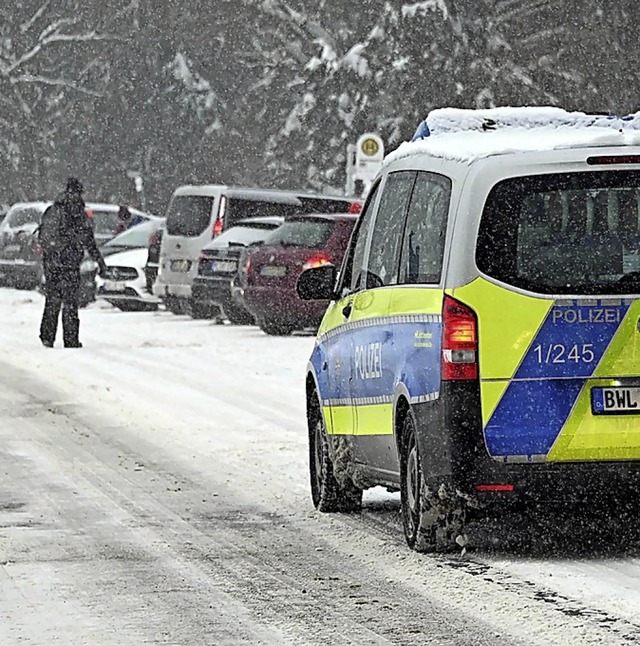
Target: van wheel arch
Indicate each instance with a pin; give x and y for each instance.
(402, 409)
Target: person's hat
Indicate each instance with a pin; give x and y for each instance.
(74, 185)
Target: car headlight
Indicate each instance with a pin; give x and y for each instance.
(88, 266)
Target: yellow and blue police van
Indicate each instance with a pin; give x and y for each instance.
(483, 337)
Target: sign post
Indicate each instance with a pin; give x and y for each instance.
(364, 161)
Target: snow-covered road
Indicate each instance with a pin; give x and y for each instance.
(153, 489)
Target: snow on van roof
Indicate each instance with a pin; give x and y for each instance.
(468, 135)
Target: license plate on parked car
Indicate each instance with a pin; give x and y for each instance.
(273, 271)
(180, 265)
(114, 286)
(615, 400)
(223, 266)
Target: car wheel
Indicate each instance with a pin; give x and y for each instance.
(432, 521)
(174, 305)
(275, 328)
(203, 310)
(327, 492)
(238, 316)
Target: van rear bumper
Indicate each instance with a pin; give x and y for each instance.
(453, 450)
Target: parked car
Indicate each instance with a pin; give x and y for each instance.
(218, 266)
(105, 220)
(302, 242)
(136, 237)
(20, 256)
(196, 214)
(19, 252)
(125, 285)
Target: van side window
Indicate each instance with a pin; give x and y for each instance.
(423, 246)
(382, 266)
(354, 263)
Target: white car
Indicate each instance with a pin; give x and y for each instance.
(125, 285)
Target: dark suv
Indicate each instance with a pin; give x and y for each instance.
(218, 266)
(270, 275)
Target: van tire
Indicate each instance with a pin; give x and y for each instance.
(199, 310)
(328, 494)
(237, 316)
(433, 521)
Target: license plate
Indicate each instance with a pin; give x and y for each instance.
(180, 265)
(114, 286)
(273, 271)
(223, 266)
(615, 401)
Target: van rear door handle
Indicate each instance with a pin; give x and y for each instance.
(346, 310)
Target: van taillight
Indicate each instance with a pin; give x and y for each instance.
(217, 228)
(459, 341)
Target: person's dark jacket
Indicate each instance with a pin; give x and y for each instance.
(75, 235)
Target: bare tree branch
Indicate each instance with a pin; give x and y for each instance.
(38, 14)
(30, 78)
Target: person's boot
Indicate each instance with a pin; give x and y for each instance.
(73, 344)
(46, 343)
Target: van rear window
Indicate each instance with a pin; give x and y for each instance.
(189, 215)
(569, 233)
(307, 234)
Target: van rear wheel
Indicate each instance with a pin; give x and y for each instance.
(328, 493)
(433, 521)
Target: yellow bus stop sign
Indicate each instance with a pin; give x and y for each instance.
(370, 147)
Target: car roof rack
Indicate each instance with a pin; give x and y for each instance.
(449, 120)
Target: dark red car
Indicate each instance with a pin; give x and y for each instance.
(270, 275)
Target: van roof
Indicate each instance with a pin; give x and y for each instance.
(468, 135)
(261, 194)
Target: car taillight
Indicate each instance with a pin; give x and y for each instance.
(153, 239)
(217, 228)
(355, 207)
(36, 248)
(319, 260)
(459, 341)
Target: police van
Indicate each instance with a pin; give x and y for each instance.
(483, 340)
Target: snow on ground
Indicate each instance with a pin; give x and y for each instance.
(226, 405)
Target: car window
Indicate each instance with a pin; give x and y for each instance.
(307, 233)
(384, 251)
(22, 216)
(189, 215)
(246, 234)
(324, 205)
(352, 269)
(239, 208)
(136, 237)
(571, 233)
(423, 245)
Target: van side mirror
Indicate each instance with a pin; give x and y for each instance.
(317, 283)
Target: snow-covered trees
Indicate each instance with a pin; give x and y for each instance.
(269, 92)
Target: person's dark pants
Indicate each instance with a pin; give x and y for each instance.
(61, 292)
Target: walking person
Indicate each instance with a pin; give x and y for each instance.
(65, 233)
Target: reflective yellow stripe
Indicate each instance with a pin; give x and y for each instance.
(491, 393)
(507, 324)
(596, 437)
(622, 358)
(375, 419)
(416, 300)
(605, 437)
